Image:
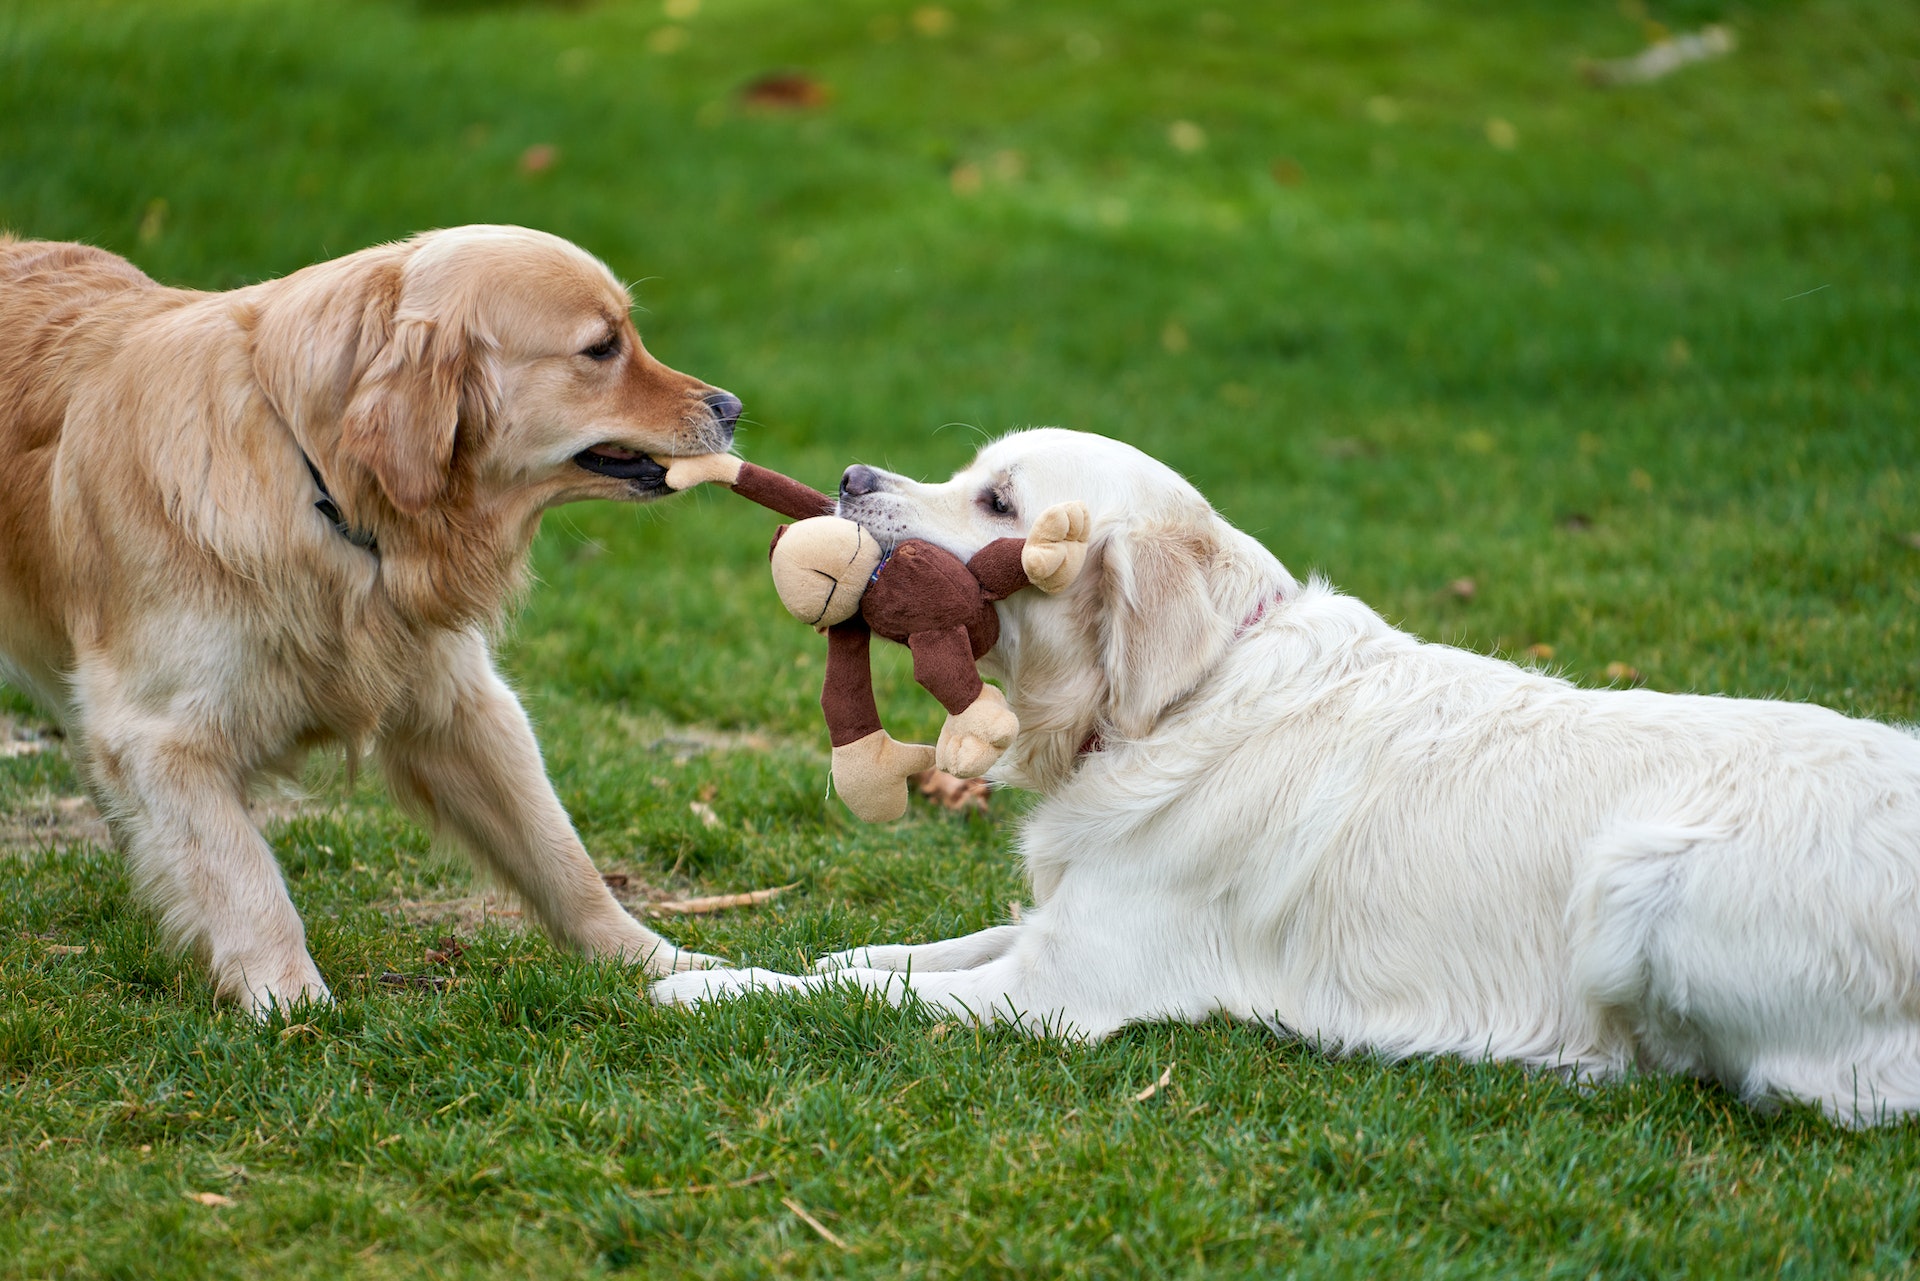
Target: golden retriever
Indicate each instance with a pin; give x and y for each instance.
(1261, 800)
(237, 526)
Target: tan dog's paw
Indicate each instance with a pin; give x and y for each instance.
(871, 775)
(685, 473)
(1056, 546)
(972, 741)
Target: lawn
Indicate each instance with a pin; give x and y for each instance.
(1622, 380)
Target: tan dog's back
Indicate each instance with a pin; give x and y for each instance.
(63, 310)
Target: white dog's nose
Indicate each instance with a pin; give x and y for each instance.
(859, 479)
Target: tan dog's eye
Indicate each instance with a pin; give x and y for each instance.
(606, 349)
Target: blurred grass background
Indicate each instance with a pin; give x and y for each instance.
(1599, 377)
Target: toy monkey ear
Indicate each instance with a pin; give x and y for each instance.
(821, 567)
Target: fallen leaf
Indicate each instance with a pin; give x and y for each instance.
(957, 794)
(538, 158)
(1540, 651)
(1166, 1079)
(716, 902)
(826, 1233)
(1463, 589)
(210, 1198)
(1620, 673)
(615, 880)
(785, 91)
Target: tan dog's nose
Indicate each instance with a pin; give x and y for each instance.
(726, 409)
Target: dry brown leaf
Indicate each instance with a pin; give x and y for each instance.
(1621, 672)
(957, 794)
(716, 902)
(1166, 1079)
(538, 158)
(1539, 651)
(210, 1198)
(786, 91)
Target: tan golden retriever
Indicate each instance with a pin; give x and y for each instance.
(237, 526)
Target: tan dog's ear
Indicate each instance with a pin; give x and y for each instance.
(1160, 630)
(406, 411)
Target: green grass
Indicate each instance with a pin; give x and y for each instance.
(1649, 378)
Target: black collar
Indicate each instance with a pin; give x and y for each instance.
(331, 510)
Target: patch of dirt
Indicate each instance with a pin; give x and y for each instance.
(46, 822)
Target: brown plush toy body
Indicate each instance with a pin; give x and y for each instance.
(832, 574)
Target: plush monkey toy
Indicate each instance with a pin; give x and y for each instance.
(832, 574)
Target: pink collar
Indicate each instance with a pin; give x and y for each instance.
(1094, 743)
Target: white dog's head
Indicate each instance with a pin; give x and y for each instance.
(1166, 584)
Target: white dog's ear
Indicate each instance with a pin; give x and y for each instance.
(1160, 631)
(406, 410)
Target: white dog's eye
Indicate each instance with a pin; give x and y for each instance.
(606, 349)
(996, 502)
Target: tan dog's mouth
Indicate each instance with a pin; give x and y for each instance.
(621, 463)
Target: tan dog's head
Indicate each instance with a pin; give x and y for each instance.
(477, 365)
(1165, 585)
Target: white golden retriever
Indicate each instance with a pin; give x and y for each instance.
(237, 526)
(1260, 799)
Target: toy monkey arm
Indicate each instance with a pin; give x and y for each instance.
(770, 489)
(847, 696)
(943, 666)
(998, 569)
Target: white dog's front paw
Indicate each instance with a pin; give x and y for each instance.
(693, 987)
(863, 958)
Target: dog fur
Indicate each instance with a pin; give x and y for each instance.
(170, 593)
(1297, 814)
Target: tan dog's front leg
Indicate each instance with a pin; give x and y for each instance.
(468, 760)
(176, 800)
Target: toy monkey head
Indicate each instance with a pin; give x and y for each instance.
(821, 567)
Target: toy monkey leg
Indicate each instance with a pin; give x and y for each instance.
(943, 665)
(847, 696)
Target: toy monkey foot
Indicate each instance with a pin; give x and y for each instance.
(1056, 546)
(972, 741)
(685, 473)
(871, 775)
